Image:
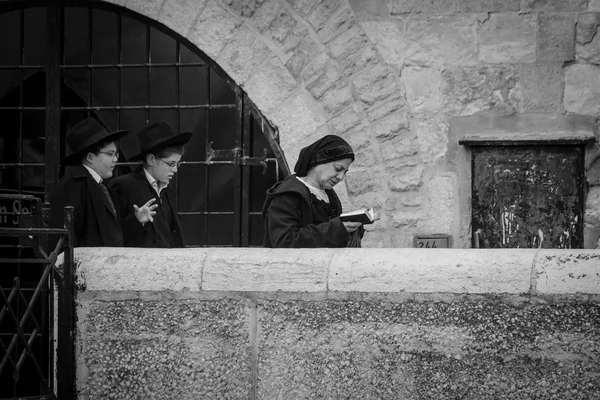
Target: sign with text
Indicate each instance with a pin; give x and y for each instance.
(432, 241)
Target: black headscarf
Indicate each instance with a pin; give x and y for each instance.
(327, 149)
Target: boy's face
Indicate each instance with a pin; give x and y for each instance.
(163, 169)
(105, 161)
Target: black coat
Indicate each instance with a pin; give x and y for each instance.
(94, 223)
(134, 188)
(292, 221)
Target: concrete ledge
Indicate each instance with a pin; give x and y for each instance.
(568, 272)
(426, 271)
(339, 270)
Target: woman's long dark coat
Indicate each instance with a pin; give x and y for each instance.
(290, 220)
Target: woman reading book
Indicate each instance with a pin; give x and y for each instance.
(303, 210)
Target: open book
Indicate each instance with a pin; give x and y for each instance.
(366, 216)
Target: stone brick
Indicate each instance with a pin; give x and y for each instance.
(306, 51)
(587, 27)
(344, 121)
(432, 137)
(352, 50)
(582, 89)
(148, 8)
(449, 271)
(214, 29)
(339, 23)
(322, 12)
(180, 15)
(304, 6)
(260, 272)
(374, 82)
(245, 8)
(386, 106)
(593, 5)
(391, 125)
(592, 174)
(367, 76)
(588, 38)
(468, 90)
(488, 5)
(329, 75)
(422, 88)
(592, 206)
(402, 219)
(556, 40)
(508, 38)
(398, 150)
(403, 199)
(360, 182)
(442, 207)
(388, 38)
(566, 271)
(298, 117)
(111, 272)
(443, 40)
(337, 98)
(240, 57)
(553, 5)
(542, 87)
(406, 178)
(273, 20)
(422, 6)
(370, 8)
(270, 85)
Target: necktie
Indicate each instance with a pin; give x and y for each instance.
(110, 202)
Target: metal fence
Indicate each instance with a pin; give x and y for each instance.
(34, 363)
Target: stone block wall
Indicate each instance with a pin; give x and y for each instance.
(393, 76)
(354, 324)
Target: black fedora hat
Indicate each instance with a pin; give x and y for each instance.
(83, 136)
(156, 136)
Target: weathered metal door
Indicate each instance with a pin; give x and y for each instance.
(527, 196)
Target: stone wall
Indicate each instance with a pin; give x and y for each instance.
(392, 77)
(326, 323)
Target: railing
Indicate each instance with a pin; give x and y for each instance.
(33, 327)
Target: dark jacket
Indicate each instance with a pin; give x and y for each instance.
(94, 223)
(134, 188)
(290, 218)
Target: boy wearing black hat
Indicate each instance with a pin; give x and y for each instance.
(93, 156)
(161, 152)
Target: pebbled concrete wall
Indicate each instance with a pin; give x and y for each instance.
(332, 323)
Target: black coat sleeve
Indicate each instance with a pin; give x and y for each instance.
(68, 193)
(284, 224)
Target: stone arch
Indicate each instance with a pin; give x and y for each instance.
(312, 68)
(308, 66)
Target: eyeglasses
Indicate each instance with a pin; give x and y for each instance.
(171, 164)
(111, 154)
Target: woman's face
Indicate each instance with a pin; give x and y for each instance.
(326, 176)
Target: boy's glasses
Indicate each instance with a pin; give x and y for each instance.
(111, 154)
(171, 164)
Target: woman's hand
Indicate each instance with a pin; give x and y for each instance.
(145, 212)
(352, 226)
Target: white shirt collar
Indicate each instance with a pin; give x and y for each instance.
(319, 193)
(157, 186)
(94, 174)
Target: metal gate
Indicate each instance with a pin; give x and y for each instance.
(27, 359)
(62, 61)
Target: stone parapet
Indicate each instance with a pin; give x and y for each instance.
(467, 271)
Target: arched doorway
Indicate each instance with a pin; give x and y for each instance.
(61, 62)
